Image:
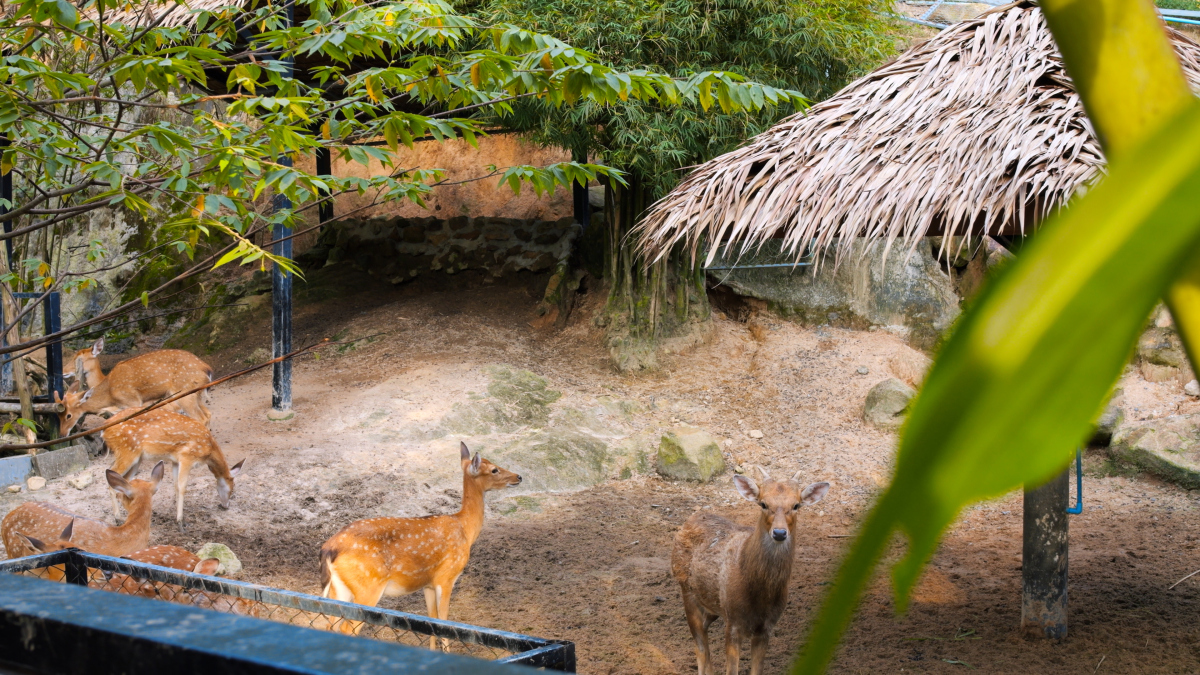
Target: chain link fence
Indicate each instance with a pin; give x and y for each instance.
(125, 576)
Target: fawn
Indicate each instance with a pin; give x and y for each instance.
(180, 440)
(45, 521)
(34, 545)
(740, 573)
(134, 383)
(398, 556)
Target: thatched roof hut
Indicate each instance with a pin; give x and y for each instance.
(978, 128)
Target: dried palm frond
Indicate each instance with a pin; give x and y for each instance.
(977, 129)
(163, 13)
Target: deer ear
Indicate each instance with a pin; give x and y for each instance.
(475, 463)
(463, 452)
(157, 473)
(34, 544)
(74, 388)
(80, 374)
(814, 493)
(746, 487)
(98, 347)
(86, 395)
(208, 566)
(237, 468)
(117, 482)
(68, 531)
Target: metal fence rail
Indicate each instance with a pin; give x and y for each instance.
(299, 609)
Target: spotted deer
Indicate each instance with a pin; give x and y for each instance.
(171, 437)
(740, 573)
(398, 556)
(45, 521)
(133, 383)
(35, 546)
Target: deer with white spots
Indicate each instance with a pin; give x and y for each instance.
(133, 383)
(741, 573)
(171, 437)
(45, 522)
(398, 556)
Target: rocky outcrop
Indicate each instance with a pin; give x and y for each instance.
(690, 454)
(230, 565)
(908, 293)
(887, 403)
(1168, 447)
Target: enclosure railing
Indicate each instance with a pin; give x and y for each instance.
(298, 609)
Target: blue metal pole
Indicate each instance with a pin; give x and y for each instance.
(281, 290)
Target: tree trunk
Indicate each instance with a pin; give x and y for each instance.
(20, 382)
(647, 303)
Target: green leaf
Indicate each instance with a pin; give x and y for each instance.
(145, 299)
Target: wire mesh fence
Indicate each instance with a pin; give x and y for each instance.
(128, 577)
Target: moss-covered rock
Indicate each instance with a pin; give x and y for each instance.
(887, 403)
(230, 565)
(689, 453)
(1168, 447)
(515, 399)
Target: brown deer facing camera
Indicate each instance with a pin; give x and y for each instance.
(741, 573)
(398, 556)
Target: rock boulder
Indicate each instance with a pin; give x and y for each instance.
(230, 565)
(910, 293)
(887, 402)
(691, 454)
(1168, 447)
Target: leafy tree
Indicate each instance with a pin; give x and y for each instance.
(189, 122)
(1018, 385)
(813, 47)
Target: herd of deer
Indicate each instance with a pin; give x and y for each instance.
(736, 572)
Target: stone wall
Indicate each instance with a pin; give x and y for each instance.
(399, 249)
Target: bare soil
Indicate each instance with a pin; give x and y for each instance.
(592, 566)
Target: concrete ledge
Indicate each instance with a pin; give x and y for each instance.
(14, 470)
(59, 463)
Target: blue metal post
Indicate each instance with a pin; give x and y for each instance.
(281, 291)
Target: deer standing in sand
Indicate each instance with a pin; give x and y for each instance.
(133, 383)
(45, 521)
(398, 556)
(740, 573)
(171, 437)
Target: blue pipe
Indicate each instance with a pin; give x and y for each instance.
(1187, 21)
(1078, 508)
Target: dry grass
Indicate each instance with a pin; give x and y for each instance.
(979, 127)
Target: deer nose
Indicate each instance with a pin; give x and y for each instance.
(779, 534)
(518, 478)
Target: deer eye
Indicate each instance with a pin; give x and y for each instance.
(495, 470)
(795, 507)
(763, 504)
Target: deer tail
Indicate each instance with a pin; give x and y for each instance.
(328, 555)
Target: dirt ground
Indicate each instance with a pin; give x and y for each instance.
(592, 565)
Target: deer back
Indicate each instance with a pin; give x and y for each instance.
(156, 375)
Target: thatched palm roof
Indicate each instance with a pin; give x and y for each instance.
(979, 128)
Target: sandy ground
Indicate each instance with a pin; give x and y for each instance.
(592, 566)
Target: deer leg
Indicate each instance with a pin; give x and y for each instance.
(431, 607)
(443, 592)
(758, 652)
(733, 648)
(698, 623)
(182, 469)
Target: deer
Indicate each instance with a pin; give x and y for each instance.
(35, 546)
(44, 521)
(134, 383)
(171, 437)
(397, 556)
(740, 573)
